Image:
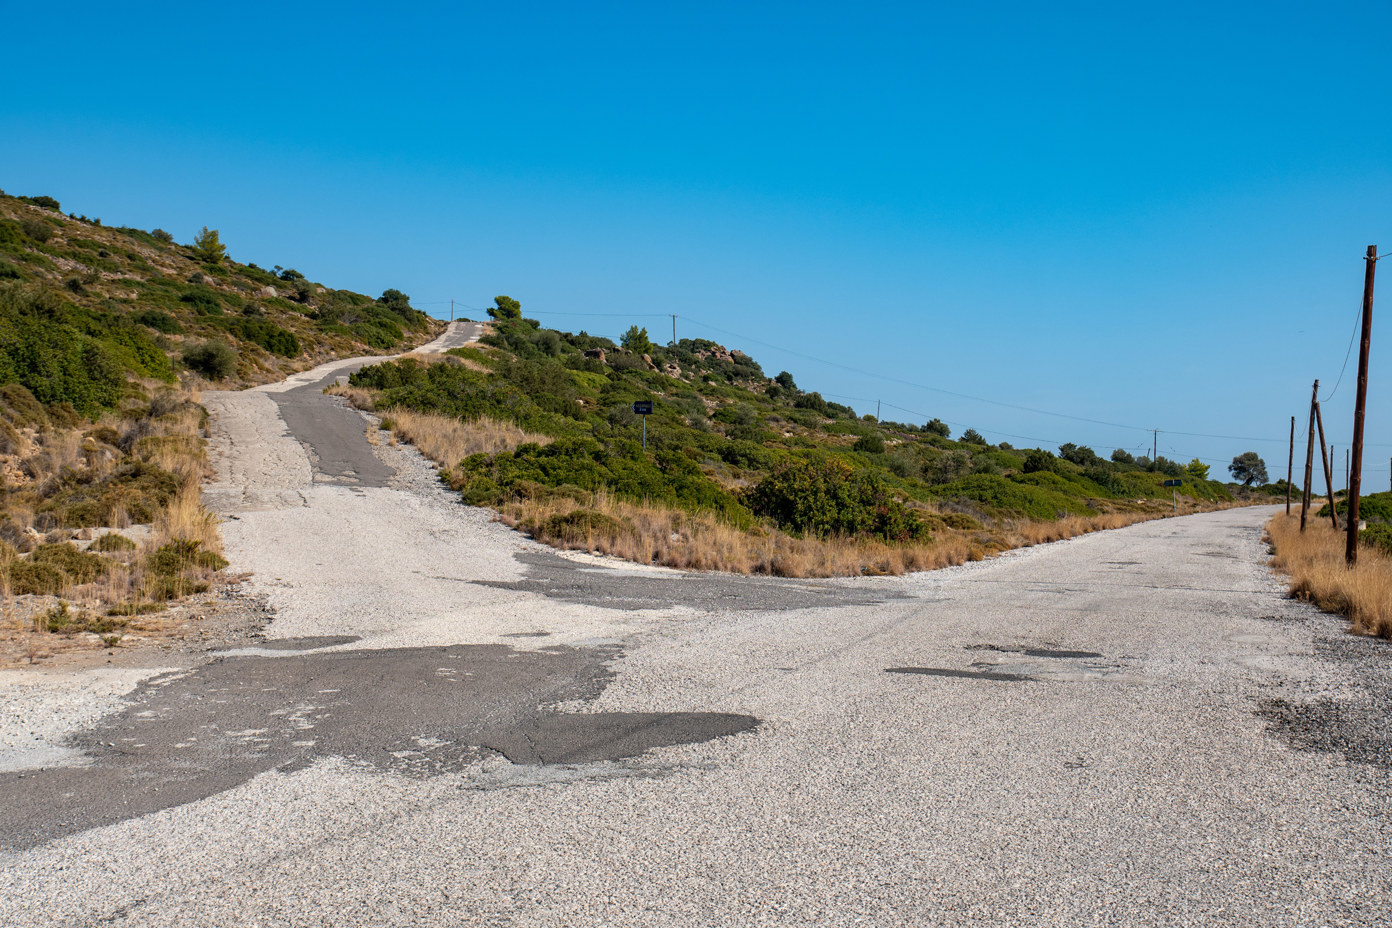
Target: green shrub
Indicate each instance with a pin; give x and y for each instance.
(825, 497)
(43, 348)
(159, 321)
(214, 360)
(1375, 507)
(45, 202)
(1377, 535)
(36, 579)
(80, 566)
(182, 555)
(205, 302)
(268, 335)
(37, 230)
(870, 444)
(1003, 496)
(578, 526)
(113, 542)
(1039, 460)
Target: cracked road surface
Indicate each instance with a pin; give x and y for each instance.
(448, 724)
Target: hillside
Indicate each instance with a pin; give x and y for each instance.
(741, 471)
(82, 302)
(106, 337)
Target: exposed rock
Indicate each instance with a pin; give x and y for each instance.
(22, 540)
(596, 353)
(649, 362)
(267, 292)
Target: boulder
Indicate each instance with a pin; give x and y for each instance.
(596, 353)
(266, 292)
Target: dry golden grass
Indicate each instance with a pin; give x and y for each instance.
(447, 440)
(655, 534)
(186, 518)
(1314, 561)
(356, 396)
(168, 434)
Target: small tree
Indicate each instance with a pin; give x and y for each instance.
(1197, 469)
(785, 380)
(395, 300)
(1038, 461)
(1248, 468)
(973, 437)
(1122, 456)
(208, 248)
(505, 307)
(636, 341)
(213, 360)
(938, 427)
(160, 235)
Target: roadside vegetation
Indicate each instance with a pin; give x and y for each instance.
(107, 336)
(1314, 562)
(742, 471)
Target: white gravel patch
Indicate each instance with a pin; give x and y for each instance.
(39, 708)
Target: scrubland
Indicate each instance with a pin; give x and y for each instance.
(1314, 562)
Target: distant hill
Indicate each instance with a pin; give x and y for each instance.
(798, 484)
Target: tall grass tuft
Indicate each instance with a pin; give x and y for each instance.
(1314, 562)
(447, 440)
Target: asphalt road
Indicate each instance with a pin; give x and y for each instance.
(448, 724)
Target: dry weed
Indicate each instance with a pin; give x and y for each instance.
(447, 440)
(655, 534)
(186, 518)
(1314, 562)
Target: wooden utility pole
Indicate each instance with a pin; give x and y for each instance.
(1154, 444)
(674, 329)
(1290, 464)
(1360, 404)
(1309, 460)
(1326, 459)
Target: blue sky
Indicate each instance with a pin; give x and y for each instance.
(1152, 217)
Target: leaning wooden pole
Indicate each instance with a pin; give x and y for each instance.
(1290, 463)
(1359, 406)
(1309, 460)
(1328, 475)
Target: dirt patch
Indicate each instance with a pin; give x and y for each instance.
(224, 618)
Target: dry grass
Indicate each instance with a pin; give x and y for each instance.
(447, 441)
(168, 435)
(356, 396)
(1314, 561)
(186, 518)
(655, 534)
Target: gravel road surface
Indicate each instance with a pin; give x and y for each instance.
(449, 725)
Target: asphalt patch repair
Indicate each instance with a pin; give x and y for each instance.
(414, 711)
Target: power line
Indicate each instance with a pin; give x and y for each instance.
(1352, 335)
(919, 386)
(968, 396)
